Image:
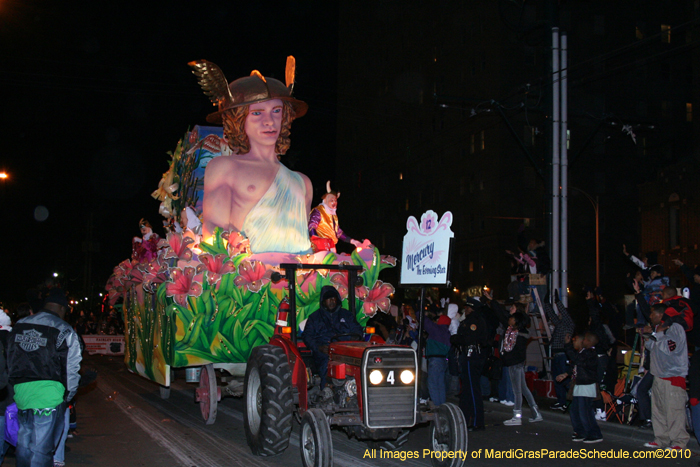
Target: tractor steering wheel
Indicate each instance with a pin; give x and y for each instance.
(353, 335)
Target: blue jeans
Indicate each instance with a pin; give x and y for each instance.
(644, 397)
(38, 436)
(5, 445)
(60, 455)
(437, 367)
(559, 366)
(520, 389)
(583, 417)
(321, 361)
(505, 387)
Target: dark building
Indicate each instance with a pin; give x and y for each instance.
(670, 218)
(447, 106)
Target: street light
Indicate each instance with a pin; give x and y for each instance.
(3, 176)
(596, 208)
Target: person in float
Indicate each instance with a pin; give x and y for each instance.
(323, 223)
(250, 191)
(145, 248)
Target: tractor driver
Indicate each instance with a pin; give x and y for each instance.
(328, 321)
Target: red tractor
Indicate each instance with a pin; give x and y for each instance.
(374, 393)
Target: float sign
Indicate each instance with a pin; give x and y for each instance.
(426, 251)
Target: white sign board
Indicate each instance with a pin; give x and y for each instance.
(426, 250)
(104, 344)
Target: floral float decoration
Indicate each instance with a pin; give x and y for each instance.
(182, 309)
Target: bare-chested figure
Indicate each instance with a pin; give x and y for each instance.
(250, 191)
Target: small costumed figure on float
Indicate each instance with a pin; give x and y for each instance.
(144, 249)
(323, 224)
(250, 191)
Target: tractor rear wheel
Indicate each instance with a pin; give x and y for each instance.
(268, 401)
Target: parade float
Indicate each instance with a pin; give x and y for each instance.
(229, 292)
(197, 300)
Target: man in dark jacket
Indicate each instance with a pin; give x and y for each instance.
(584, 360)
(437, 346)
(472, 337)
(43, 359)
(328, 321)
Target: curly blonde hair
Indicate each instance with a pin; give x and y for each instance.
(234, 129)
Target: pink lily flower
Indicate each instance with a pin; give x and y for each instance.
(178, 247)
(155, 274)
(237, 243)
(115, 294)
(378, 299)
(340, 282)
(216, 266)
(252, 275)
(185, 282)
(134, 277)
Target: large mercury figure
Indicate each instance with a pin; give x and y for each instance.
(250, 191)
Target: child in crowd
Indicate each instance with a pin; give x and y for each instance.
(513, 350)
(584, 361)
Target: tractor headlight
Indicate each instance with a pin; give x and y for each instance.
(406, 376)
(375, 377)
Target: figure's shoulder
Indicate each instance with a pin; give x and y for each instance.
(222, 168)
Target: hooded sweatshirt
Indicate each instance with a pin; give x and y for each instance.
(323, 324)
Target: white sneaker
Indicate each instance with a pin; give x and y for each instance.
(493, 399)
(508, 403)
(600, 415)
(515, 421)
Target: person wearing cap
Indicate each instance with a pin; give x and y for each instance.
(472, 337)
(43, 357)
(324, 228)
(669, 365)
(250, 191)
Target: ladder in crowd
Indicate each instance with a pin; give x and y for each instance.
(539, 321)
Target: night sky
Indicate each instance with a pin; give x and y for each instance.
(94, 95)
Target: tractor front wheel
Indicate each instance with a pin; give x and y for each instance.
(315, 442)
(448, 433)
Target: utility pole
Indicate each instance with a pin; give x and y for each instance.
(555, 226)
(564, 157)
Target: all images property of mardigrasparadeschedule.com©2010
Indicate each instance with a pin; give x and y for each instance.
(530, 454)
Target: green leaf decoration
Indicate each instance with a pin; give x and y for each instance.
(238, 259)
(217, 246)
(192, 335)
(237, 331)
(329, 259)
(229, 350)
(264, 328)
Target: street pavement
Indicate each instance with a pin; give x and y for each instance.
(123, 421)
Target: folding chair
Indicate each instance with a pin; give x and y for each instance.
(611, 406)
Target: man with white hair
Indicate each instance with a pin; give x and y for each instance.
(323, 223)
